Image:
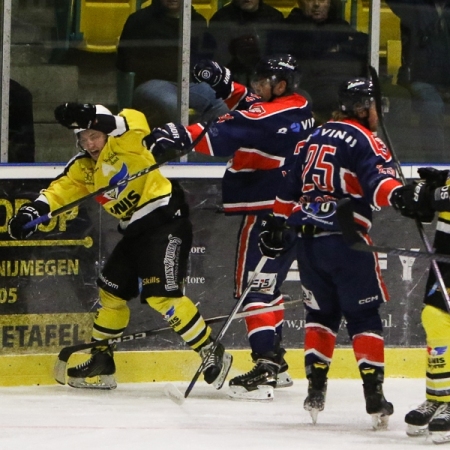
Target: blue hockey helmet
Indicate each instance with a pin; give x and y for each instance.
(357, 93)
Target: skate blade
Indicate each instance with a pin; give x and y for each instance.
(59, 371)
(379, 421)
(227, 360)
(440, 437)
(284, 380)
(416, 431)
(173, 393)
(314, 412)
(104, 382)
(262, 394)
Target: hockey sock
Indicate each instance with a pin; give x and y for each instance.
(368, 348)
(112, 318)
(185, 319)
(319, 344)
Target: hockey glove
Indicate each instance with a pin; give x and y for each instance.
(167, 142)
(414, 201)
(26, 214)
(75, 115)
(217, 76)
(433, 177)
(275, 237)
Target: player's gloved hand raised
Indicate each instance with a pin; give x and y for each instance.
(275, 237)
(216, 75)
(414, 201)
(433, 177)
(26, 214)
(167, 142)
(75, 115)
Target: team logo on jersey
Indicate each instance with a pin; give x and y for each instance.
(296, 127)
(283, 130)
(257, 109)
(436, 357)
(436, 351)
(114, 193)
(169, 314)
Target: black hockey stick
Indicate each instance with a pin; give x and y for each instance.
(423, 236)
(225, 326)
(104, 189)
(344, 214)
(60, 368)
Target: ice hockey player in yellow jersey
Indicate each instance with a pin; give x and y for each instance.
(157, 236)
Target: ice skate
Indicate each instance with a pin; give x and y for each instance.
(439, 426)
(317, 389)
(258, 384)
(377, 406)
(99, 368)
(217, 366)
(283, 377)
(419, 418)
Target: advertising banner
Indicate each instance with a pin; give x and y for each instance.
(48, 291)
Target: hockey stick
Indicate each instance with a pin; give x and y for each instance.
(225, 326)
(104, 189)
(423, 236)
(59, 371)
(344, 214)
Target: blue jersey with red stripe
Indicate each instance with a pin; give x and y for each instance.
(262, 142)
(340, 159)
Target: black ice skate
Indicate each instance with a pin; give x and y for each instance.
(283, 377)
(439, 426)
(217, 366)
(258, 384)
(377, 406)
(317, 389)
(100, 367)
(419, 418)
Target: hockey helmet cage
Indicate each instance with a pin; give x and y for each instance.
(278, 68)
(356, 93)
(99, 109)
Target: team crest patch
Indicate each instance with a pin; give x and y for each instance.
(169, 314)
(257, 109)
(436, 351)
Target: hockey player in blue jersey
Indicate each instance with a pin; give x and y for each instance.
(261, 136)
(341, 159)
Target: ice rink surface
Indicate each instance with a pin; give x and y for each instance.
(140, 416)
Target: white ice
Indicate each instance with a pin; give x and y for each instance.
(140, 416)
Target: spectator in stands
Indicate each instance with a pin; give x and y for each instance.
(328, 49)
(425, 70)
(239, 30)
(149, 47)
(21, 146)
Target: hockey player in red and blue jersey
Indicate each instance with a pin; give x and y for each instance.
(260, 135)
(341, 159)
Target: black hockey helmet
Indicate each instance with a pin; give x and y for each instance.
(356, 93)
(278, 68)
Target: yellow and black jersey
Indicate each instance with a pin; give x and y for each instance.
(433, 294)
(122, 156)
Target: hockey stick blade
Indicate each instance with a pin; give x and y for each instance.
(126, 180)
(344, 214)
(60, 368)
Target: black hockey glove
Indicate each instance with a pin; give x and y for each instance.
(433, 177)
(26, 214)
(275, 238)
(167, 142)
(75, 115)
(217, 76)
(414, 201)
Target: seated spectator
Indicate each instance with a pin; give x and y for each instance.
(239, 30)
(21, 146)
(328, 49)
(149, 47)
(425, 70)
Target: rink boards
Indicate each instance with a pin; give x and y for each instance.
(48, 291)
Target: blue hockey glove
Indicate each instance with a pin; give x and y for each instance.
(75, 115)
(275, 237)
(167, 142)
(216, 75)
